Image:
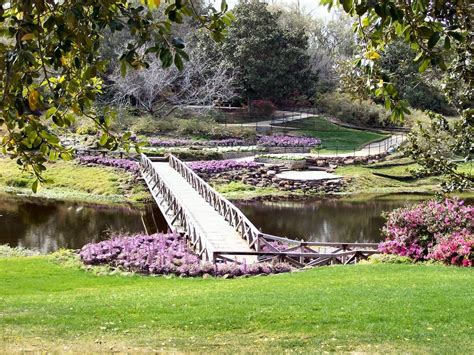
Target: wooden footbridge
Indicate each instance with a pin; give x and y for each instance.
(219, 231)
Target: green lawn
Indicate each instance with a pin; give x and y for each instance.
(71, 181)
(364, 308)
(333, 136)
(392, 176)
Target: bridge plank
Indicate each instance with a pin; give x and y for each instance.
(217, 231)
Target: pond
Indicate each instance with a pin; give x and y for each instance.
(327, 219)
(47, 225)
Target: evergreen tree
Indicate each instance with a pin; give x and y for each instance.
(271, 62)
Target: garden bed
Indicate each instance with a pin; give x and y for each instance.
(166, 254)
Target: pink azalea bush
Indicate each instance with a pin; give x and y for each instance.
(165, 254)
(442, 231)
(124, 164)
(456, 249)
(218, 166)
(287, 141)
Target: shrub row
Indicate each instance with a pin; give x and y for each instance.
(125, 164)
(218, 166)
(228, 142)
(287, 141)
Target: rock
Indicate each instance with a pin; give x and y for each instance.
(332, 166)
(349, 161)
(271, 173)
(283, 183)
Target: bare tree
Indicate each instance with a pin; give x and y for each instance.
(156, 90)
(331, 44)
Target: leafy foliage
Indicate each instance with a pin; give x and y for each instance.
(7, 251)
(356, 112)
(436, 148)
(262, 108)
(440, 32)
(432, 230)
(420, 90)
(51, 71)
(272, 61)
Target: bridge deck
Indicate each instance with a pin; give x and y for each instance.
(219, 234)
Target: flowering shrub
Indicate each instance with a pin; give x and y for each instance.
(218, 166)
(228, 142)
(441, 231)
(125, 164)
(455, 249)
(263, 107)
(280, 157)
(287, 141)
(164, 254)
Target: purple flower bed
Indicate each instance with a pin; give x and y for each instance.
(442, 231)
(287, 141)
(165, 254)
(228, 142)
(125, 164)
(218, 166)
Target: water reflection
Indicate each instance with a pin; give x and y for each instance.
(49, 225)
(325, 220)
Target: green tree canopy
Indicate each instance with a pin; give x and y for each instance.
(441, 34)
(271, 61)
(51, 69)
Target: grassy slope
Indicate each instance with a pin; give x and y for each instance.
(364, 180)
(74, 182)
(397, 179)
(357, 308)
(236, 190)
(332, 135)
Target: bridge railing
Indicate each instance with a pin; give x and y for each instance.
(303, 253)
(266, 247)
(223, 206)
(175, 210)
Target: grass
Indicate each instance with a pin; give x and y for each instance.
(366, 308)
(236, 190)
(71, 181)
(392, 176)
(333, 136)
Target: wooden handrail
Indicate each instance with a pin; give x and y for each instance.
(321, 244)
(223, 206)
(298, 253)
(179, 209)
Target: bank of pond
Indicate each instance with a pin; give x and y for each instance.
(48, 225)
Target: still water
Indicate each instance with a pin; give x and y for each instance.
(325, 220)
(47, 225)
